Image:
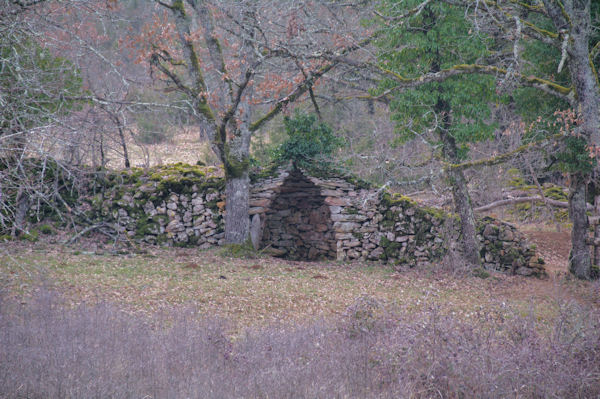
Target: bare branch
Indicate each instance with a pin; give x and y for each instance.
(547, 86)
(410, 13)
(506, 156)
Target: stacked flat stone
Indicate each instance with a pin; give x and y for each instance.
(180, 219)
(141, 205)
(411, 234)
(505, 249)
(298, 222)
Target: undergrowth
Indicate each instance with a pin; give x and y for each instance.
(50, 350)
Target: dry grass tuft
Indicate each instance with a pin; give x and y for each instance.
(49, 349)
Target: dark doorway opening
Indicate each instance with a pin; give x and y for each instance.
(298, 224)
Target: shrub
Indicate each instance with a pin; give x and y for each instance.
(46, 229)
(32, 236)
(308, 141)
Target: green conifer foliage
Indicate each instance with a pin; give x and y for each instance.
(436, 38)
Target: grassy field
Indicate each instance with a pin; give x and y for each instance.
(254, 292)
(180, 323)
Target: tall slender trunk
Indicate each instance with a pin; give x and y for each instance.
(576, 15)
(124, 147)
(460, 193)
(597, 230)
(102, 156)
(580, 263)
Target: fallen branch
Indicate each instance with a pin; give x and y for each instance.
(594, 220)
(519, 200)
(541, 192)
(87, 230)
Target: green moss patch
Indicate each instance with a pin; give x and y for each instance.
(394, 199)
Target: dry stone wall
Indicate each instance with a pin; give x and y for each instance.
(369, 224)
(299, 217)
(505, 249)
(178, 205)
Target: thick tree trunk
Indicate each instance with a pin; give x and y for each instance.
(580, 263)
(237, 181)
(237, 154)
(586, 88)
(588, 100)
(237, 223)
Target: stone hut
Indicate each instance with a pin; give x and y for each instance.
(304, 217)
(296, 216)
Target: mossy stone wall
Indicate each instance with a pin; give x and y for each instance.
(173, 205)
(301, 216)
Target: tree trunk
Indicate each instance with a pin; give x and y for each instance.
(124, 147)
(580, 263)
(585, 82)
(462, 202)
(460, 193)
(596, 230)
(587, 95)
(237, 225)
(237, 159)
(22, 205)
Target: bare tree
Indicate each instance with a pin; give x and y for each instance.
(242, 57)
(35, 91)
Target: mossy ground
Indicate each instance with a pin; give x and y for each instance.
(245, 250)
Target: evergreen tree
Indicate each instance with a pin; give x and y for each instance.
(457, 110)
